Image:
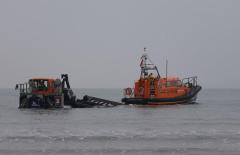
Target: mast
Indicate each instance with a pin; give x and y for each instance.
(166, 71)
(147, 65)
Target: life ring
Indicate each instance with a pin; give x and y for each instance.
(128, 91)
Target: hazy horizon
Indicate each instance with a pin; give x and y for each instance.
(99, 43)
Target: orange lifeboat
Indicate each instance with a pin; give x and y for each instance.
(153, 89)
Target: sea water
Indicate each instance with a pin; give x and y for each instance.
(210, 127)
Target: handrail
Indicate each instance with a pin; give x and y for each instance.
(128, 92)
(23, 88)
(190, 81)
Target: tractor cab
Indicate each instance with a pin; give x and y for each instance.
(42, 86)
(44, 92)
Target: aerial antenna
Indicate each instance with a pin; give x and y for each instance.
(145, 49)
(166, 71)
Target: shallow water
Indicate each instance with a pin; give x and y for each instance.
(210, 127)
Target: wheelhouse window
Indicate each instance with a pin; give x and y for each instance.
(39, 85)
(176, 83)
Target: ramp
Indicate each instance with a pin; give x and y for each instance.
(90, 101)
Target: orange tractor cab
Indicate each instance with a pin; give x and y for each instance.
(152, 89)
(55, 93)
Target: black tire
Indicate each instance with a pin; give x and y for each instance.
(48, 103)
(24, 103)
(35, 100)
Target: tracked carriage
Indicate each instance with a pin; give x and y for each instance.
(55, 93)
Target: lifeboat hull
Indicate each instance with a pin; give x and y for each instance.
(186, 99)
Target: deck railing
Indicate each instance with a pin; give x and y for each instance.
(23, 88)
(128, 92)
(190, 81)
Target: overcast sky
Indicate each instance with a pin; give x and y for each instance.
(99, 42)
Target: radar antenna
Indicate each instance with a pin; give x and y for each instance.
(147, 65)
